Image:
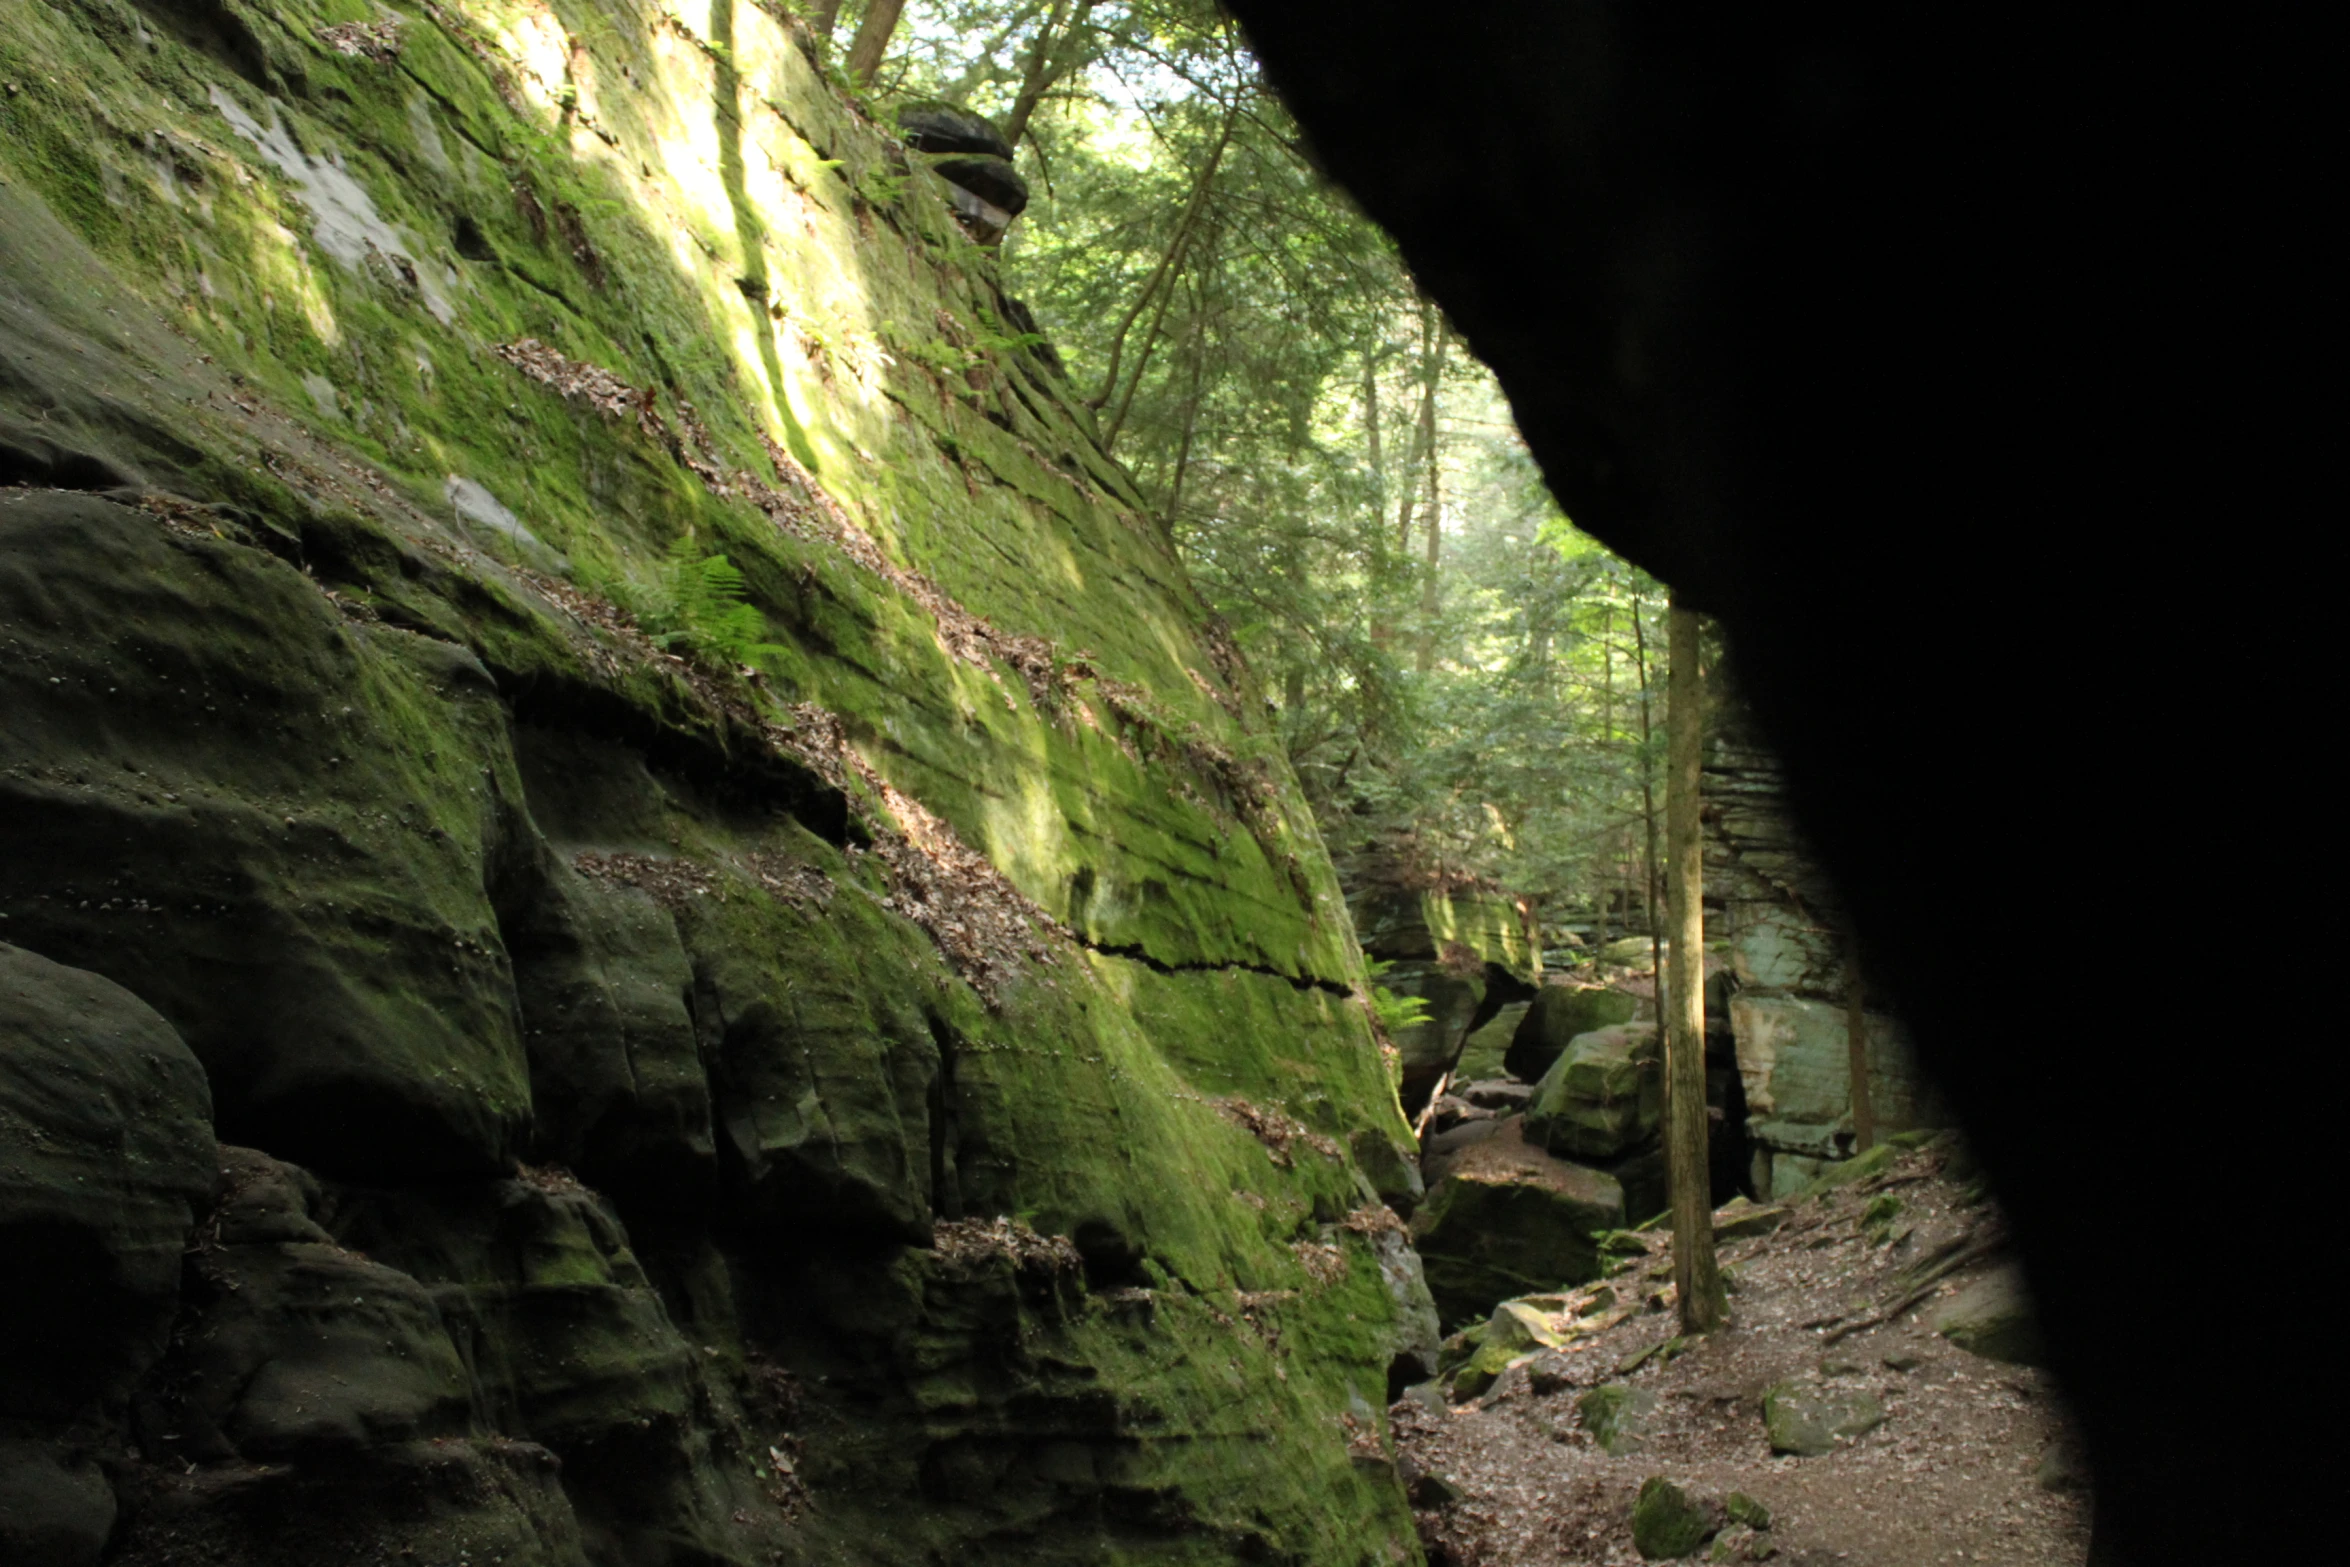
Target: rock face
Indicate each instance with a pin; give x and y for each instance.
(1603, 1096)
(105, 1161)
(1555, 1019)
(1788, 959)
(1466, 953)
(887, 1087)
(1502, 1219)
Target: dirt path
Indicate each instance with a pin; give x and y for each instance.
(1953, 1474)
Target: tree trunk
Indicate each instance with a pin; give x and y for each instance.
(821, 18)
(1199, 354)
(1424, 448)
(1856, 1051)
(1173, 257)
(1656, 973)
(872, 40)
(1688, 1171)
(1429, 601)
(1052, 58)
(1142, 361)
(1371, 437)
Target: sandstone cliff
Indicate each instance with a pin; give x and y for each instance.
(892, 1086)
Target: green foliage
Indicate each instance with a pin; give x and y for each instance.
(703, 605)
(1396, 1013)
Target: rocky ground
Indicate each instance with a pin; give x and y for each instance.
(1839, 1399)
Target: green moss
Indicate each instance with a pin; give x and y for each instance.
(861, 1088)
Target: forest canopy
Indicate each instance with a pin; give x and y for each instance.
(1467, 684)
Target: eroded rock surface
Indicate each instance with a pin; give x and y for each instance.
(522, 1076)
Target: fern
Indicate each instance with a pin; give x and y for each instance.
(1395, 1012)
(703, 605)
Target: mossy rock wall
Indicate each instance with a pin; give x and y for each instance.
(898, 1092)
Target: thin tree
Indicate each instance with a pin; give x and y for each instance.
(1171, 258)
(1656, 940)
(1058, 49)
(1696, 1278)
(1424, 448)
(872, 40)
(1426, 654)
(823, 15)
(1856, 1051)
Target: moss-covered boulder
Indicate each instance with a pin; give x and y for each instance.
(1507, 1220)
(1804, 1418)
(1484, 1054)
(1617, 1416)
(1993, 1317)
(1556, 1017)
(1669, 1522)
(1603, 1097)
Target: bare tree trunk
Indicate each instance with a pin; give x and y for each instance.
(1688, 1171)
(821, 18)
(1607, 740)
(1424, 448)
(1142, 361)
(1053, 57)
(872, 40)
(1856, 1049)
(1371, 437)
(1426, 654)
(1173, 256)
(1199, 354)
(1656, 938)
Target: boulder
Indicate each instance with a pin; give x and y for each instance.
(1741, 1217)
(1532, 1323)
(1553, 1020)
(1794, 1059)
(1484, 1057)
(933, 125)
(1604, 1095)
(1834, 1173)
(1617, 1416)
(105, 1162)
(1633, 952)
(1453, 1000)
(1742, 1543)
(993, 180)
(55, 1510)
(1504, 1220)
(1992, 1317)
(1805, 1419)
(1499, 1095)
(1669, 1523)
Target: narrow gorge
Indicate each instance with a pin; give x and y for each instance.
(835, 782)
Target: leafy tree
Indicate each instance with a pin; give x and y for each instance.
(1460, 673)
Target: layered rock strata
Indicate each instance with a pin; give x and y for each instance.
(1791, 959)
(582, 1076)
